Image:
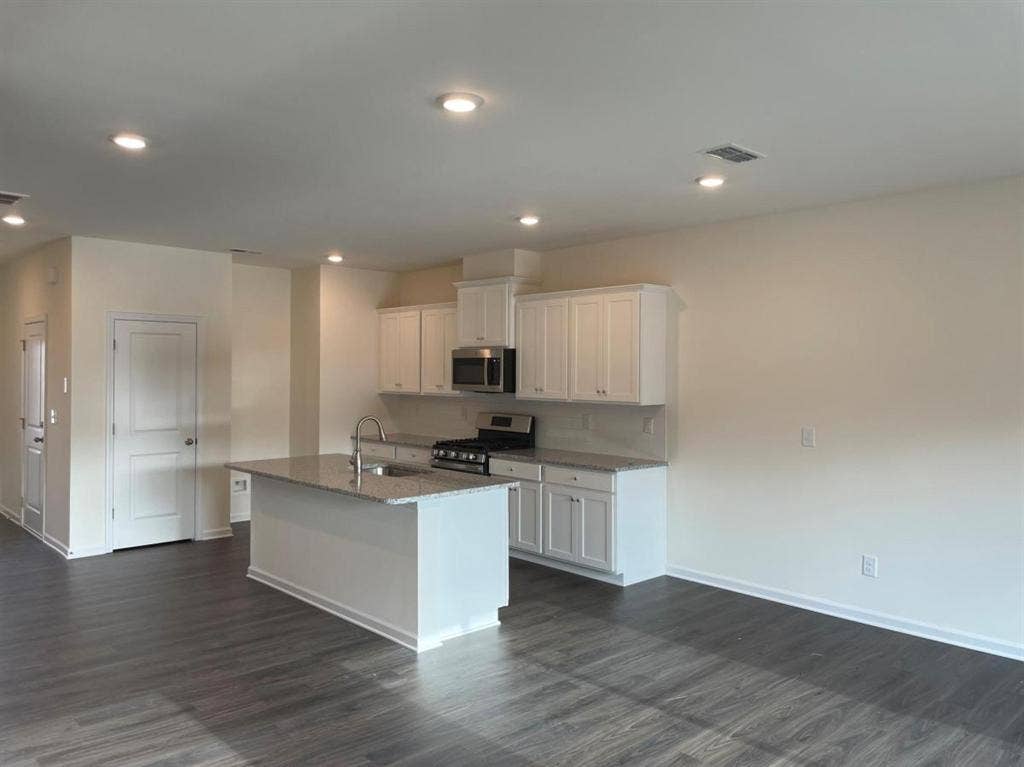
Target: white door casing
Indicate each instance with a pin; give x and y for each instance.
(154, 432)
(33, 458)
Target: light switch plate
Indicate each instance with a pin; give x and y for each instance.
(807, 436)
(648, 425)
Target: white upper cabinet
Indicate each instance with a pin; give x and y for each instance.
(486, 312)
(399, 364)
(542, 353)
(438, 340)
(602, 345)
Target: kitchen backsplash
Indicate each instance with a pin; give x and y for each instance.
(564, 425)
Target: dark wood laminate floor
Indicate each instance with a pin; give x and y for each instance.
(170, 656)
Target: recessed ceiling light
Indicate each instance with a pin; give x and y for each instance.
(14, 219)
(710, 182)
(460, 102)
(335, 258)
(529, 220)
(130, 141)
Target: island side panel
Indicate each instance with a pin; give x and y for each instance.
(463, 558)
(353, 558)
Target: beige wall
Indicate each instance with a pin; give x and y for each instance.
(894, 326)
(348, 350)
(112, 276)
(426, 286)
(260, 368)
(25, 294)
(304, 399)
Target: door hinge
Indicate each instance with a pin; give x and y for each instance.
(23, 344)
(113, 513)
(22, 423)
(115, 344)
(113, 429)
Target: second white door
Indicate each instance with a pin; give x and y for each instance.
(154, 432)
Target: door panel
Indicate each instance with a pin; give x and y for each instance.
(388, 365)
(432, 352)
(586, 347)
(528, 535)
(559, 537)
(528, 346)
(596, 529)
(621, 352)
(154, 432)
(471, 317)
(33, 454)
(409, 352)
(495, 314)
(553, 367)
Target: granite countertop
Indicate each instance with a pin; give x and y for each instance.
(578, 460)
(333, 473)
(405, 440)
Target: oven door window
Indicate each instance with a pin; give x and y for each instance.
(468, 371)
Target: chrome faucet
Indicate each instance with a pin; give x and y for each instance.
(357, 457)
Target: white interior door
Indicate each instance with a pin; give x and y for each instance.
(33, 459)
(154, 432)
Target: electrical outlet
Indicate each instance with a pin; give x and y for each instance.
(588, 422)
(648, 425)
(807, 436)
(240, 485)
(869, 566)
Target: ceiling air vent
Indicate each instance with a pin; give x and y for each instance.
(245, 252)
(733, 153)
(9, 198)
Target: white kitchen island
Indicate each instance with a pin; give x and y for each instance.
(418, 558)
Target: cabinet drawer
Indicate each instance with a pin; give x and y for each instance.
(592, 480)
(412, 454)
(378, 450)
(515, 469)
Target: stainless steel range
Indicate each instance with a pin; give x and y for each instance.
(495, 432)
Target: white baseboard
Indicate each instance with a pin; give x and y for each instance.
(387, 630)
(90, 551)
(56, 545)
(240, 516)
(219, 532)
(613, 578)
(870, 617)
(9, 513)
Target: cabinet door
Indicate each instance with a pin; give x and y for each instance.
(595, 529)
(528, 350)
(586, 347)
(620, 351)
(553, 350)
(387, 369)
(471, 317)
(495, 314)
(525, 517)
(409, 352)
(559, 538)
(437, 336)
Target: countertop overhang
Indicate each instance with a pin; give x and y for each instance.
(333, 473)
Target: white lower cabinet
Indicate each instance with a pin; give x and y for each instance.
(606, 525)
(579, 526)
(525, 529)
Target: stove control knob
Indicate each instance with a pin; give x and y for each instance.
(470, 456)
(463, 456)
(450, 453)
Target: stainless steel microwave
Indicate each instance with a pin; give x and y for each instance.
(486, 370)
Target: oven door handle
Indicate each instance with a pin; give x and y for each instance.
(476, 468)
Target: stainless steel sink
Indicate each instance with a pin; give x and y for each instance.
(387, 470)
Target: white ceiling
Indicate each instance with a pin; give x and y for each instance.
(299, 127)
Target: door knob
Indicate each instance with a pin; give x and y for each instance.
(190, 441)
(37, 439)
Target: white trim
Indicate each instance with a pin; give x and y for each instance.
(241, 516)
(92, 551)
(340, 610)
(416, 308)
(9, 514)
(112, 317)
(639, 287)
(870, 617)
(56, 545)
(37, 319)
(613, 578)
(496, 281)
(217, 532)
